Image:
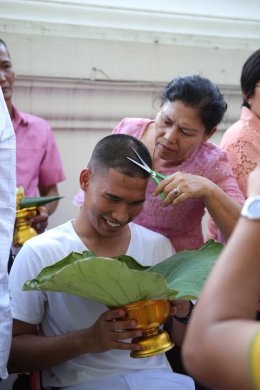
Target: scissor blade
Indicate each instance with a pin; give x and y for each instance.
(146, 168)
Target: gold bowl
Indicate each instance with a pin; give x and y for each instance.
(149, 316)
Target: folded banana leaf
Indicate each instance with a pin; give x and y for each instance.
(122, 280)
(37, 201)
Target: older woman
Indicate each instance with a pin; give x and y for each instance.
(198, 170)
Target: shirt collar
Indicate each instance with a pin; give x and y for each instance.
(18, 118)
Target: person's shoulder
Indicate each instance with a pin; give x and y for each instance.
(240, 130)
(149, 247)
(212, 151)
(149, 236)
(140, 121)
(131, 126)
(45, 249)
(233, 134)
(33, 119)
(213, 160)
(53, 236)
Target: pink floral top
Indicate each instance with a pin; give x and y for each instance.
(182, 224)
(242, 145)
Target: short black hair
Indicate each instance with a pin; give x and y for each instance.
(200, 93)
(2, 42)
(250, 76)
(112, 152)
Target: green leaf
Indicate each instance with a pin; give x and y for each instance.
(37, 201)
(122, 280)
(188, 270)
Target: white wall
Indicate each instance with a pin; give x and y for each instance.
(83, 65)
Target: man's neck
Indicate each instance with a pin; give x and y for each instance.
(107, 246)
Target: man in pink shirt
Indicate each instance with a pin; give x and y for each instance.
(38, 162)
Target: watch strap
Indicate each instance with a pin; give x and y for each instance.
(185, 320)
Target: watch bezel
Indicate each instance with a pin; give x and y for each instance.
(245, 212)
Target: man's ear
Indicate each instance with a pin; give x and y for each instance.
(84, 178)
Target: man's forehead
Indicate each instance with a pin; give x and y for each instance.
(115, 181)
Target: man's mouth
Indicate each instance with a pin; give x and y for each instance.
(112, 224)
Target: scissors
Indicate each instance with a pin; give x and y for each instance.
(155, 175)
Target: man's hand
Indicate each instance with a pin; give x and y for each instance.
(111, 331)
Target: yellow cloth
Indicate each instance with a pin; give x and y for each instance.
(254, 360)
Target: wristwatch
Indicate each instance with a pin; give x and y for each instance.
(251, 208)
(185, 320)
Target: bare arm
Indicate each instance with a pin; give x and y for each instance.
(50, 191)
(32, 352)
(40, 221)
(175, 328)
(218, 337)
(223, 209)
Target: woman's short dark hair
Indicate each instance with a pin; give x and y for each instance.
(2, 42)
(250, 76)
(199, 93)
(112, 152)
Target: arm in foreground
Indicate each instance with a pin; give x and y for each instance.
(217, 346)
(33, 352)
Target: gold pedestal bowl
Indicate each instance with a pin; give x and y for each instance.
(149, 316)
(22, 228)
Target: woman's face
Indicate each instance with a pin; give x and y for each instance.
(179, 131)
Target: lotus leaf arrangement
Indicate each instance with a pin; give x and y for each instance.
(122, 280)
(37, 201)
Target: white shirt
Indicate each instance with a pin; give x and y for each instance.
(60, 313)
(7, 218)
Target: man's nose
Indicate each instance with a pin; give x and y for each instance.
(121, 213)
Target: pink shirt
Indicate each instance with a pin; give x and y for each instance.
(182, 224)
(241, 142)
(38, 160)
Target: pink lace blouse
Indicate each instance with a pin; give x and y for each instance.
(182, 224)
(241, 142)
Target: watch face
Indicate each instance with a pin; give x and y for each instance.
(251, 208)
(254, 208)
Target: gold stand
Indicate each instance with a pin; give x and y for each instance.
(22, 228)
(149, 316)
